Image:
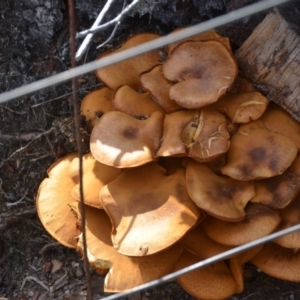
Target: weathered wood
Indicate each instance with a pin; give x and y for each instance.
(271, 58)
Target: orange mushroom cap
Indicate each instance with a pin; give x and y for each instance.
(278, 191)
(211, 138)
(204, 71)
(53, 197)
(158, 86)
(278, 120)
(244, 107)
(174, 123)
(128, 71)
(290, 216)
(204, 36)
(103, 256)
(129, 101)
(95, 176)
(121, 141)
(149, 210)
(220, 196)
(259, 222)
(256, 153)
(212, 282)
(95, 104)
(278, 262)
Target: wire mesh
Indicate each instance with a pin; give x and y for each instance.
(163, 41)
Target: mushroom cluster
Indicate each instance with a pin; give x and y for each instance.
(187, 160)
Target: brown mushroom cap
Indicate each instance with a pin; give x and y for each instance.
(121, 141)
(129, 101)
(256, 153)
(259, 222)
(53, 197)
(128, 71)
(290, 216)
(278, 191)
(220, 196)
(212, 282)
(103, 256)
(243, 107)
(203, 70)
(236, 265)
(204, 36)
(279, 262)
(149, 210)
(174, 123)
(211, 138)
(198, 242)
(154, 82)
(95, 104)
(278, 120)
(95, 176)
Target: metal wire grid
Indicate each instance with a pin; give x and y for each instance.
(118, 57)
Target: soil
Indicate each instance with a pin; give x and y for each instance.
(37, 129)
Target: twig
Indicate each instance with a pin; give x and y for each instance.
(10, 218)
(10, 204)
(110, 23)
(77, 124)
(41, 283)
(89, 36)
(22, 137)
(26, 146)
(13, 111)
(110, 37)
(46, 247)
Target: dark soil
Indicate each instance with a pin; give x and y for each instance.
(37, 129)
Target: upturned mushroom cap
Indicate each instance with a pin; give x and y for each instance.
(204, 71)
(53, 197)
(149, 210)
(259, 222)
(95, 104)
(102, 256)
(219, 196)
(278, 191)
(204, 36)
(174, 123)
(257, 153)
(278, 262)
(243, 107)
(211, 138)
(212, 282)
(121, 141)
(138, 105)
(95, 176)
(290, 216)
(128, 71)
(154, 82)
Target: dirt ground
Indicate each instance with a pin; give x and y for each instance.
(37, 129)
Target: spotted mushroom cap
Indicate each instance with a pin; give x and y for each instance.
(201, 71)
(121, 141)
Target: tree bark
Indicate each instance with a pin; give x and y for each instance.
(271, 58)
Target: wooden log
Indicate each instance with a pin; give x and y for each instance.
(270, 57)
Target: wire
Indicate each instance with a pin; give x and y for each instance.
(206, 262)
(129, 53)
